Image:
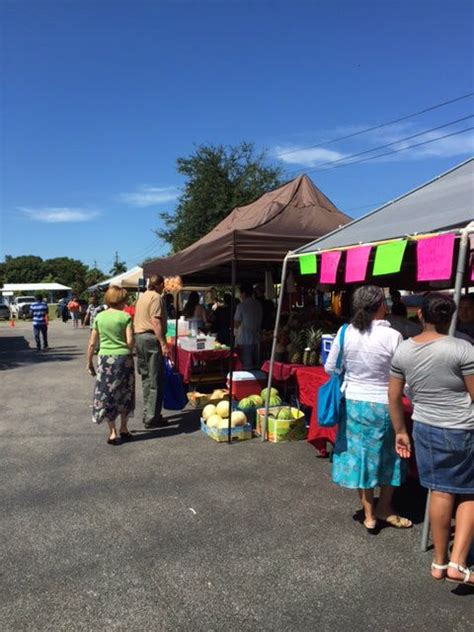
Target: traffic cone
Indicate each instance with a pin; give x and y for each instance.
(12, 323)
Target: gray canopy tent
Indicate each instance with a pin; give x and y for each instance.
(444, 204)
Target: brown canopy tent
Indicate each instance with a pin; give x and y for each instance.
(257, 236)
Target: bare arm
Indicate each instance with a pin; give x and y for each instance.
(93, 338)
(160, 335)
(395, 400)
(469, 382)
(130, 337)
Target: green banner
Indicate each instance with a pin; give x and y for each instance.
(308, 264)
(389, 257)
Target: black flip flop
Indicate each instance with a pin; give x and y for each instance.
(126, 436)
(112, 441)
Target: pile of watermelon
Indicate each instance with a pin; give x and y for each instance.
(252, 402)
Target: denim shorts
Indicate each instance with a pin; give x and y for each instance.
(445, 458)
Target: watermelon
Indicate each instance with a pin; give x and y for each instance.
(246, 404)
(274, 400)
(273, 391)
(284, 413)
(257, 400)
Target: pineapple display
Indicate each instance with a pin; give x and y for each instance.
(313, 343)
(297, 346)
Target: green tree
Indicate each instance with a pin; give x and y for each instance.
(93, 276)
(118, 267)
(218, 179)
(70, 272)
(23, 269)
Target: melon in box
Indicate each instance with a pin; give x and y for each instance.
(284, 424)
(238, 433)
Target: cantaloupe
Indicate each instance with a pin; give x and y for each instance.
(238, 418)
(214, 421)
(222, 408)
(208, 411)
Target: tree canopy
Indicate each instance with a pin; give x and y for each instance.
(218, 179)
(64, 270)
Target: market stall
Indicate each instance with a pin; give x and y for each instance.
(422, 240)
(251, 243)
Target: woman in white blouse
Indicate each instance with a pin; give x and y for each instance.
(364, 455)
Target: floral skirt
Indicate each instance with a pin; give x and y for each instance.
(114, 392)
(364, 454)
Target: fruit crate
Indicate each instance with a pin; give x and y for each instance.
(239, 433)
(280, 430)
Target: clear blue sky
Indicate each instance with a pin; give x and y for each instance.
(101, 97)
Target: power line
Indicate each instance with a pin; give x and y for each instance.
(371, 129)
(395, 142)
(395, 151)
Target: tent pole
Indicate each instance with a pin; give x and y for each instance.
(460, 271)
(232, 344)
(274, 344)
(176, 332)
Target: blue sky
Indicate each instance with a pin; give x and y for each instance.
(101, 97)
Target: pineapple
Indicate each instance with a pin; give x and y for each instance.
(313, 339)
(298, 343)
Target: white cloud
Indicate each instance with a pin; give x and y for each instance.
(307, 157)
(149, 196)
(58, 214)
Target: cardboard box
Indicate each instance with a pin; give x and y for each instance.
(199, 400)
(280, 430)
(239, 433)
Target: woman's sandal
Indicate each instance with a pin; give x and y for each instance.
(439, 567)
(397, 521)
(126, 436)
(112, 441)
(467, 572)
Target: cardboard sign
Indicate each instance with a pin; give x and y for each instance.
(329, 263)
(389, 257)
(356, 263)
(308, 264)
(435, 258)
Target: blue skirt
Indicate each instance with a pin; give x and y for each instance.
(364, 454)
(444, 458)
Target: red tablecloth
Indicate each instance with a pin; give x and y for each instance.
(186, 360)
(282, 371)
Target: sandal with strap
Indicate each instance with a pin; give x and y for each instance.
(397, 521)
(439, 567)
(467, 572)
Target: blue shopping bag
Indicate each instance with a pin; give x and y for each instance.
(174, 397)
(330, 404)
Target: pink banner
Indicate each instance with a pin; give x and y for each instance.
(435, 258)
(329, 263)
(356, 263)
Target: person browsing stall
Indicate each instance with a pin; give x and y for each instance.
(150, 340)
(248, 325)
(364, 454)
(439, 371)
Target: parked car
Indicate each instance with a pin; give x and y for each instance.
(4, 311)
(20, 307)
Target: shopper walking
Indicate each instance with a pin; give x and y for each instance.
(114, 394)
(439, 371)
(151, 346)
(39, 314)
(75, 311)
(364, 454)
(248, 326)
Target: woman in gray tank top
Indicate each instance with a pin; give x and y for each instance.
(439, 371)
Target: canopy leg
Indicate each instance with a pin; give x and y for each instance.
(232, 345)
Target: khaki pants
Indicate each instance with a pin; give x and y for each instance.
(150, 367)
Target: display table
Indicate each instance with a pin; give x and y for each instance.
(188, 361)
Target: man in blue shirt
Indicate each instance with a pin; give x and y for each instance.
(39, 312)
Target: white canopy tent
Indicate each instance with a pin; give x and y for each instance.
(128, 280)
(9, 289)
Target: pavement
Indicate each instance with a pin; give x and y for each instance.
(174, 532)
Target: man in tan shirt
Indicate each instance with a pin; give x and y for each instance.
(150, 325)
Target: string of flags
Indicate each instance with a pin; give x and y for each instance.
(434, 258)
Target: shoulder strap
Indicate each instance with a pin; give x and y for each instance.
(341, 347)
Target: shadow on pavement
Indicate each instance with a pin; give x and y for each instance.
(15, 352)
(179, 422)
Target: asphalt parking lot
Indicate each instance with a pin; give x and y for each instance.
(173, 532)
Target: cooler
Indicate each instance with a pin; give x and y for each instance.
(245, 383)
(326, 344)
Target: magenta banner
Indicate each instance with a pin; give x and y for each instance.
(329, 263)
(435, 258)
(356, 263)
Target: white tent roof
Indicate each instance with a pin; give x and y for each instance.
(33, 287)
(443, 203)
(127, 279)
